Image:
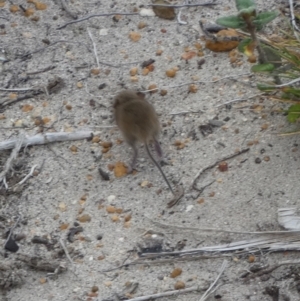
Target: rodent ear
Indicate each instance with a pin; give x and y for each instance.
(141, 95)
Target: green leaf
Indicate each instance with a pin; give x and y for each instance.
(271, 55)
(291, 91)
(243, 4)
(265, 88)
(247, 12)
(263, 18)
(231, 21)
(293, 113)
(263, 68)
(244, 44)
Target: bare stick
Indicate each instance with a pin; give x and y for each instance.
(289, 83)
(41, 71)
(17, 146)
(179, 19)
(29, 175)
(66, 251)
(293, 17)
(215, 164)
(199, 82)
(66, 8)
(166, 294)
(187, 112)
(17, 90)
(272, 268)
(199, 230)
(45, 139)
(97, 15)
(184, 5)
(238, 100)
(94, 47)
(210, 290)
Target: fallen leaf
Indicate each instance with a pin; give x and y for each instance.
(95, 71)
(171, 73)
(14, 8)
(193, 88)
(120, 169)
(73, 149)
(188, 55)
(63, 227)
(27, 108)
(164, 12)
(29, 12)
(115, 218)
(133, 71)
(176, 272)
(134, 36)
(40, 5)
(84, 218)
(153, 87)
(179, 285)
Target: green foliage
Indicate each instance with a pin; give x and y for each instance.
(244, 4)
(265, 88)
(293, 113)
(264, 18)
(232, 22)
(263, 68)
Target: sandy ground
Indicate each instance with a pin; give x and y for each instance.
(67, 184)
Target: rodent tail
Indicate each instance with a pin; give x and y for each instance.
(155, 162)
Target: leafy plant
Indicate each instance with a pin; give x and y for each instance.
(249, 20)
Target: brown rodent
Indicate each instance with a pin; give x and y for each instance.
(138, 122)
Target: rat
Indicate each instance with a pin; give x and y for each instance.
(138, 122)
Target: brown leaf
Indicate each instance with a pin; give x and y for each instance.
(84, 218)
(188, 55)
(120, 169)
(179, 285)
(164, 12)
(40, 5)
(171, 73)
(27, 108)
(134, 36)
(176, 272)
(14, 8)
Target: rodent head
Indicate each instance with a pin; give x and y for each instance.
(126, 96)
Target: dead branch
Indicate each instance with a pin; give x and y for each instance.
(215, 164)
(46, 138)
(94, 47)
(184, 5)
(270, 269)
(166, 294)
(8, 165)
(211, 288)
(96, 15)
(28, 176)
(201, 230)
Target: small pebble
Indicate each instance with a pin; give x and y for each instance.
(257, 160)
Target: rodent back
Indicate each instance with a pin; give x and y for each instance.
(136, 118)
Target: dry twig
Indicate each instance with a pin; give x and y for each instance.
(96, 15)
(211, 288)
(215, 164)
(8, 165)
(94, 47)
(45, 139)
(184, 5)
(29, 175)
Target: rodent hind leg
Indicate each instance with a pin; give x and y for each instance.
(134, 158)
(158, 149)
